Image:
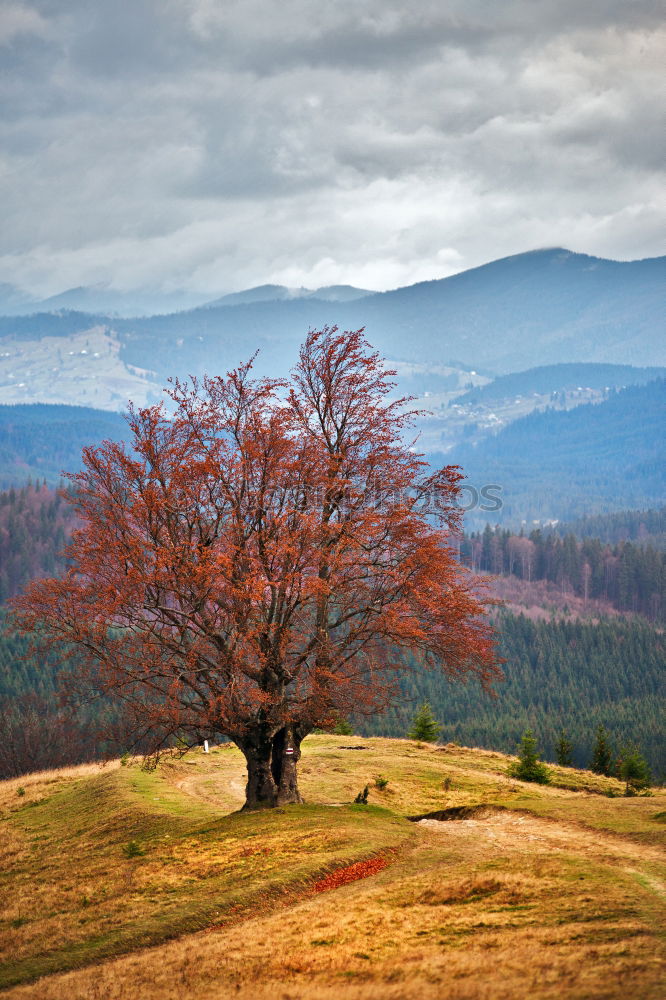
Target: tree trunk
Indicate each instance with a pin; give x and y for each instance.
(272, 767)
(286, 754)
(261, 789)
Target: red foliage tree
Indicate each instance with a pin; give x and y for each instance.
(254, 565)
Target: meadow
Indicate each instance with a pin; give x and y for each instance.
(118, 882)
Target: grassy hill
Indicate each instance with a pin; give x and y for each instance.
(540, 891)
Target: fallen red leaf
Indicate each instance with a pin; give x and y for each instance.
(351, 873)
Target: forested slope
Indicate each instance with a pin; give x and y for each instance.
(35, 524)
(558, 675)
(594, 459)
(629, 576)
(645, 527)
(41, 441)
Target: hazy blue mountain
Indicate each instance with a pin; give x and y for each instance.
(340, 293)
(562, 465)
(281, 293)
(545, 307)
(541, 308)
(13, 300)
(262, 293)
(558, 378)
(102, 299)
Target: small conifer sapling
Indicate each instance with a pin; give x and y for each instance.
(424, 725)
(528, 767)
(602, 754)
(634, 771)
(564, 750)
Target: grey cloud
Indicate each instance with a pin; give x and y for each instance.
(137, 39)
(216, 145)
(19, 21)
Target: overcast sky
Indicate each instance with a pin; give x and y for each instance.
(213, 145)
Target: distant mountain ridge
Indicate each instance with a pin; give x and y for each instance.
(554, 378)
(101, 299)
(536, 309)
(281, 293)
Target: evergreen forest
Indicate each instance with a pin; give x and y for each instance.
(560, 674)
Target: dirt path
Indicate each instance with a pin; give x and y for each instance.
(226, 793)
(406, 935)
(506, 829)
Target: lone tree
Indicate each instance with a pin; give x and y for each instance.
(424, 725)
(633, 769)
(253, 564)
(564, 750)
(528, 767)
(602, 753)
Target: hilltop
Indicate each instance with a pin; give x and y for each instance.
(102, 298)
(509, 890)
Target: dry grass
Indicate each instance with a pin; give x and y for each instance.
(563, 897)
(70, 894)
(445, 918)
(39, 781)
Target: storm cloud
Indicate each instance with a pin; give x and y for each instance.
(211, 146)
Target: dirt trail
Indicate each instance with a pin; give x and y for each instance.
(507, 829)
(225, 794)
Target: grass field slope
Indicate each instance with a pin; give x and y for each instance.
(120, 883)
